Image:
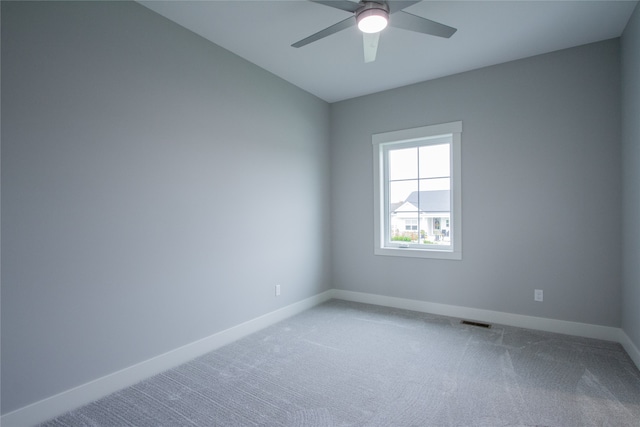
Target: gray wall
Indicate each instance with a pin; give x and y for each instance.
(155, 188)
(541, 191)
(631, 177)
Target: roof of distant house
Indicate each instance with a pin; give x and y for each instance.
(394, 206)
(429, 201)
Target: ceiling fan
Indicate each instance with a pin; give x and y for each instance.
(371, 17)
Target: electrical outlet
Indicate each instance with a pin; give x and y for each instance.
(277, 290)
(537, 295)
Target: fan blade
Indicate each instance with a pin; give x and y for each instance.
(398, 5)
(410, 22)
(349, 22)
(347, 5)
(370, 42)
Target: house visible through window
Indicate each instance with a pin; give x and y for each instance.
(418, 199)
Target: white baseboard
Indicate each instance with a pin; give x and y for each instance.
(54, 406)
(630, 348)
(509, 319)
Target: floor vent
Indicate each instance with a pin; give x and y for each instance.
(479, 324)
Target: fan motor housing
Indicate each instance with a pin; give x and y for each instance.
(369, 5)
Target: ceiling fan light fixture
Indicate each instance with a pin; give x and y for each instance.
(373, 18)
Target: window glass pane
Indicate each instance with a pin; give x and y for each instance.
(434, 161)
(403, 164)
(435, 184)
(434, 229)
(399, 192)
(431, 202)
(404, 228)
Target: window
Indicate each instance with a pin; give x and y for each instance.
(417, 192)
(411, 224)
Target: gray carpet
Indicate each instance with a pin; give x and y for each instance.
(348, 364)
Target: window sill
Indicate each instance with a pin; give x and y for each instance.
(419, 253)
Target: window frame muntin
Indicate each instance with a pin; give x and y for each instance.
(406, 138)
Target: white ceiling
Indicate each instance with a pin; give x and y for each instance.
(489, 32)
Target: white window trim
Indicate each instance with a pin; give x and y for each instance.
(379, 141)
